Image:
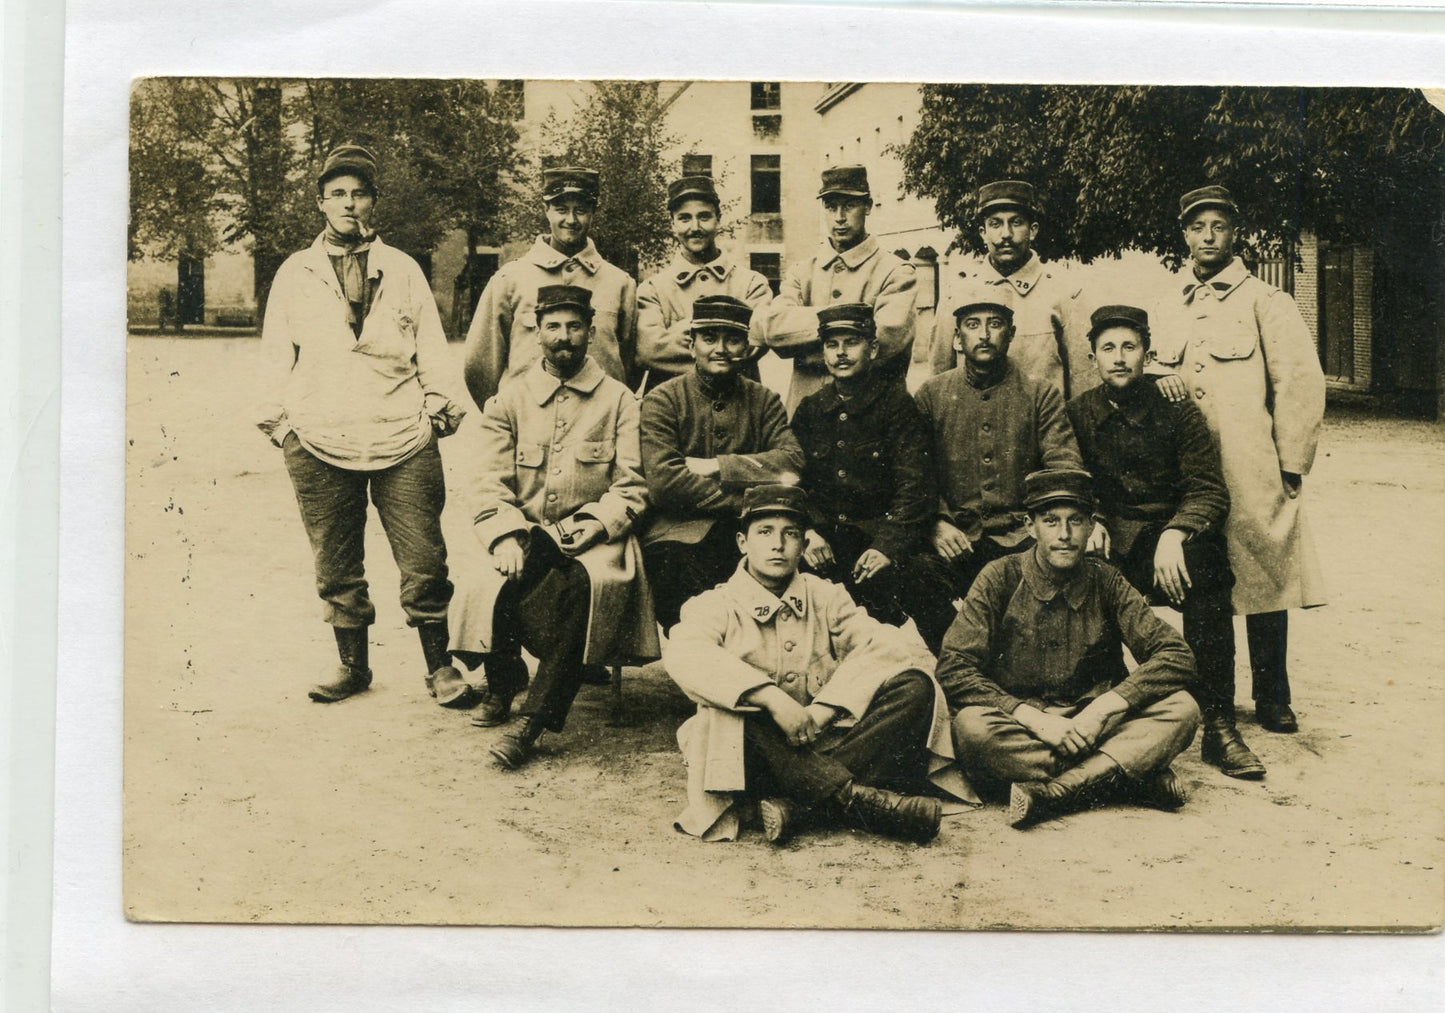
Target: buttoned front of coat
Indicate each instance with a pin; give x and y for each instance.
(869, 464)
(986, 440)
(741, 424)
(1251, 366)
(502, 340)
(664, 308)
(1051, 329)
(553, 451)
(812, 642)
(865, 273)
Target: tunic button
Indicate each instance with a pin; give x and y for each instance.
(838, 266)
(837, 292)
(556, 471)
(841, 444)
(1198, 367)
(1199, 392)
(986, 397)
(842, 416)
(842, 518)
(791, 677)
(842, 473)
(717, 406)
(562, 396)
(789, 646)
(988, 427)
(987, 458)
(557, 447)
(551, 495)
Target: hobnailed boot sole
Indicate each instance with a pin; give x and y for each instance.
(1021, 807)
(778, 816)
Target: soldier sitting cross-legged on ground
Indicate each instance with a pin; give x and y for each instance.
(805, 702)
(560, 491)
(1035, 668)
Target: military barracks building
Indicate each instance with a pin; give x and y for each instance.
(1377, 311)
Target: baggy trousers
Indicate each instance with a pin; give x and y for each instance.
(678, 571)
(1207, 610)
(544, 610)
(409, 497)
(996, 751)
(886, 748)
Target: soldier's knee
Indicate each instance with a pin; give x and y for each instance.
(972, 729)
(912, 688)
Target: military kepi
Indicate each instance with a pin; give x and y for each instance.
(349, 160)
(691, 188)
(1007, 193)
(1059, 485)
(722, 311)
(1119, 316)
(763, 500)
(845, 181)
(571, 181)
(978, 295)
(556, 297)
(1206, 197)
(846, 316)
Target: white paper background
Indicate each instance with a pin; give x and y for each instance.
(102, 962)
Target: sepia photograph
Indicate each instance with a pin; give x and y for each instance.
(784, 504)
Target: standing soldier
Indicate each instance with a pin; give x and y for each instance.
(1050, 342)
(1244, 351)
(356, 368)
(699, 268)
(849, 268)
(502, 341)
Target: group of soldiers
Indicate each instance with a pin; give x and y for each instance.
(878, 600)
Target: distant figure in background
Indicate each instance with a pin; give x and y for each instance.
(698, 268)
(167, 313)
(359, 378)
(502, 340)
(1049, 341)
(850, 267)
(1243, 349)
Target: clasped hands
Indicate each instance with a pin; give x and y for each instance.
(1076, 737)
(801, 725)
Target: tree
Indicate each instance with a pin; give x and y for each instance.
(621, 132)
(1110, 162)
(216, 162)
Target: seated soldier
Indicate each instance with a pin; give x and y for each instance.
(706, 436)
(561, 489)
(1162, 506)
(804, 701)
(1034, 666)
(990, 426)
(868, 475)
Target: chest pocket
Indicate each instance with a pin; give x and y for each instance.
(596, 451)
(1230, 330)
(530, 455)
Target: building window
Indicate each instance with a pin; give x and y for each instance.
(767, 188)
(767, 128)
(697, 165)
(1337, 311)
(767, 95)
(510, 100)
(770, 266)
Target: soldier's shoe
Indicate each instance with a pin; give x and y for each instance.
(1160, 790)
(1276, 717)
(781, 818)
(496, 709)
(450, 688)
(908, 817)
(348, 681)
(1092, 782)
(515, 748)
(1224, 747)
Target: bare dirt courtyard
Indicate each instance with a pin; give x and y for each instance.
(246, 802)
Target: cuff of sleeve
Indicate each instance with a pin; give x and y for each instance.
(506, 521)
(1009, 704)
(1131, 694)
(615, 525)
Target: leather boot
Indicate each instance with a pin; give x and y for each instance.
(506, 677)
(781, 819)
(908, 817)
(1090, 783)
(352, 676)
(443, 680)
(515, 748)
(1160, 790)
(1224, 747)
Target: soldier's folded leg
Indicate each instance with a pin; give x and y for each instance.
(888, 747)
(553, 618)
(996, 751)
(1148, 740)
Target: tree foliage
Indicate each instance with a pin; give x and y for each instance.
(1110, 163)
(621, 132)
(221, 161)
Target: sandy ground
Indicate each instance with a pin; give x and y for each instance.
(245, 802)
